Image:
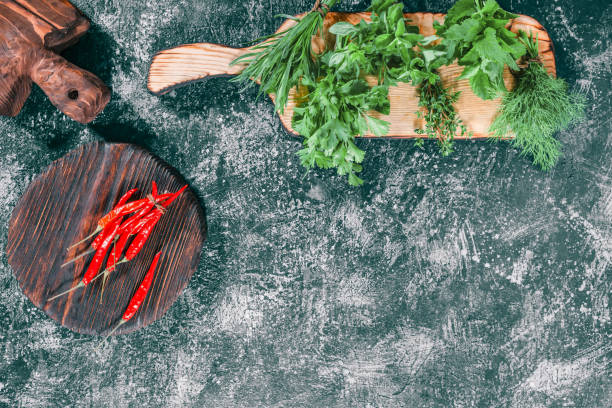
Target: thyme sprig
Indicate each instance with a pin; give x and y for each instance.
(441, 120)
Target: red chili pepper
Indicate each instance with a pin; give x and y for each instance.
(94, 265)
(113, 259)
(122, 210)
(115, 254)
(174, 196)
(107, 230)
(142, 237)
(154, 188)
(142, 291)
(127, 225)
(143, 229)
(100, 227)
(130, 222)
(96, 262)
(138, 298)
(124, 198)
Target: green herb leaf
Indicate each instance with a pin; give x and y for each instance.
(466, 31)
(343, 28)
(482, 86)
(378, 126)
(474, 33)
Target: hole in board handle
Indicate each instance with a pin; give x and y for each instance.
(73, 94)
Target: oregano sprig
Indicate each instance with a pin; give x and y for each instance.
(441, 120)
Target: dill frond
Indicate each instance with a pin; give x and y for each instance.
(536, 109)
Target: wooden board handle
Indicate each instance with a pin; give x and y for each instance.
(188, 63)
(78, 93)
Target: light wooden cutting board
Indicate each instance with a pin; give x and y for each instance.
(182, 65)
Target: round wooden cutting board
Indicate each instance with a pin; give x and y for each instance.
(62, 206)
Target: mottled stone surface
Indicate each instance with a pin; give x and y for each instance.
(469, 281)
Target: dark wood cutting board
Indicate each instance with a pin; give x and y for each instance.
(62, 206)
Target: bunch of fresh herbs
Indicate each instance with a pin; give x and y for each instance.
(335, 108)
(539, 106)
(284, 58)
(339, 89)
(474, 33)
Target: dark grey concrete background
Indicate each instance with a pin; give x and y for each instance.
(469, 281)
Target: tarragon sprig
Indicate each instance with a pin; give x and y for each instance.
(283, 59)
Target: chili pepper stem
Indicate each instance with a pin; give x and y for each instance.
(80, 285)
(89, 251)
(121, 322)
(107, 271)
(98, 229)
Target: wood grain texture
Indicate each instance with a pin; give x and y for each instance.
(66, 23)
(31, 32)
(189, 63)
(62, 206)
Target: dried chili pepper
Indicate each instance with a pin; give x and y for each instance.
(122, 210)
(127, 225)
(96, 242)
(144, 227)
(154, 188)
(122, 200)
(115, 255)
(138, 298)
(142, 230)
(105, 232)
(174, 196)
(111, 262)
(142, 237)
(94, 265)
(113, 214)
(142, 291)
(96, 262)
